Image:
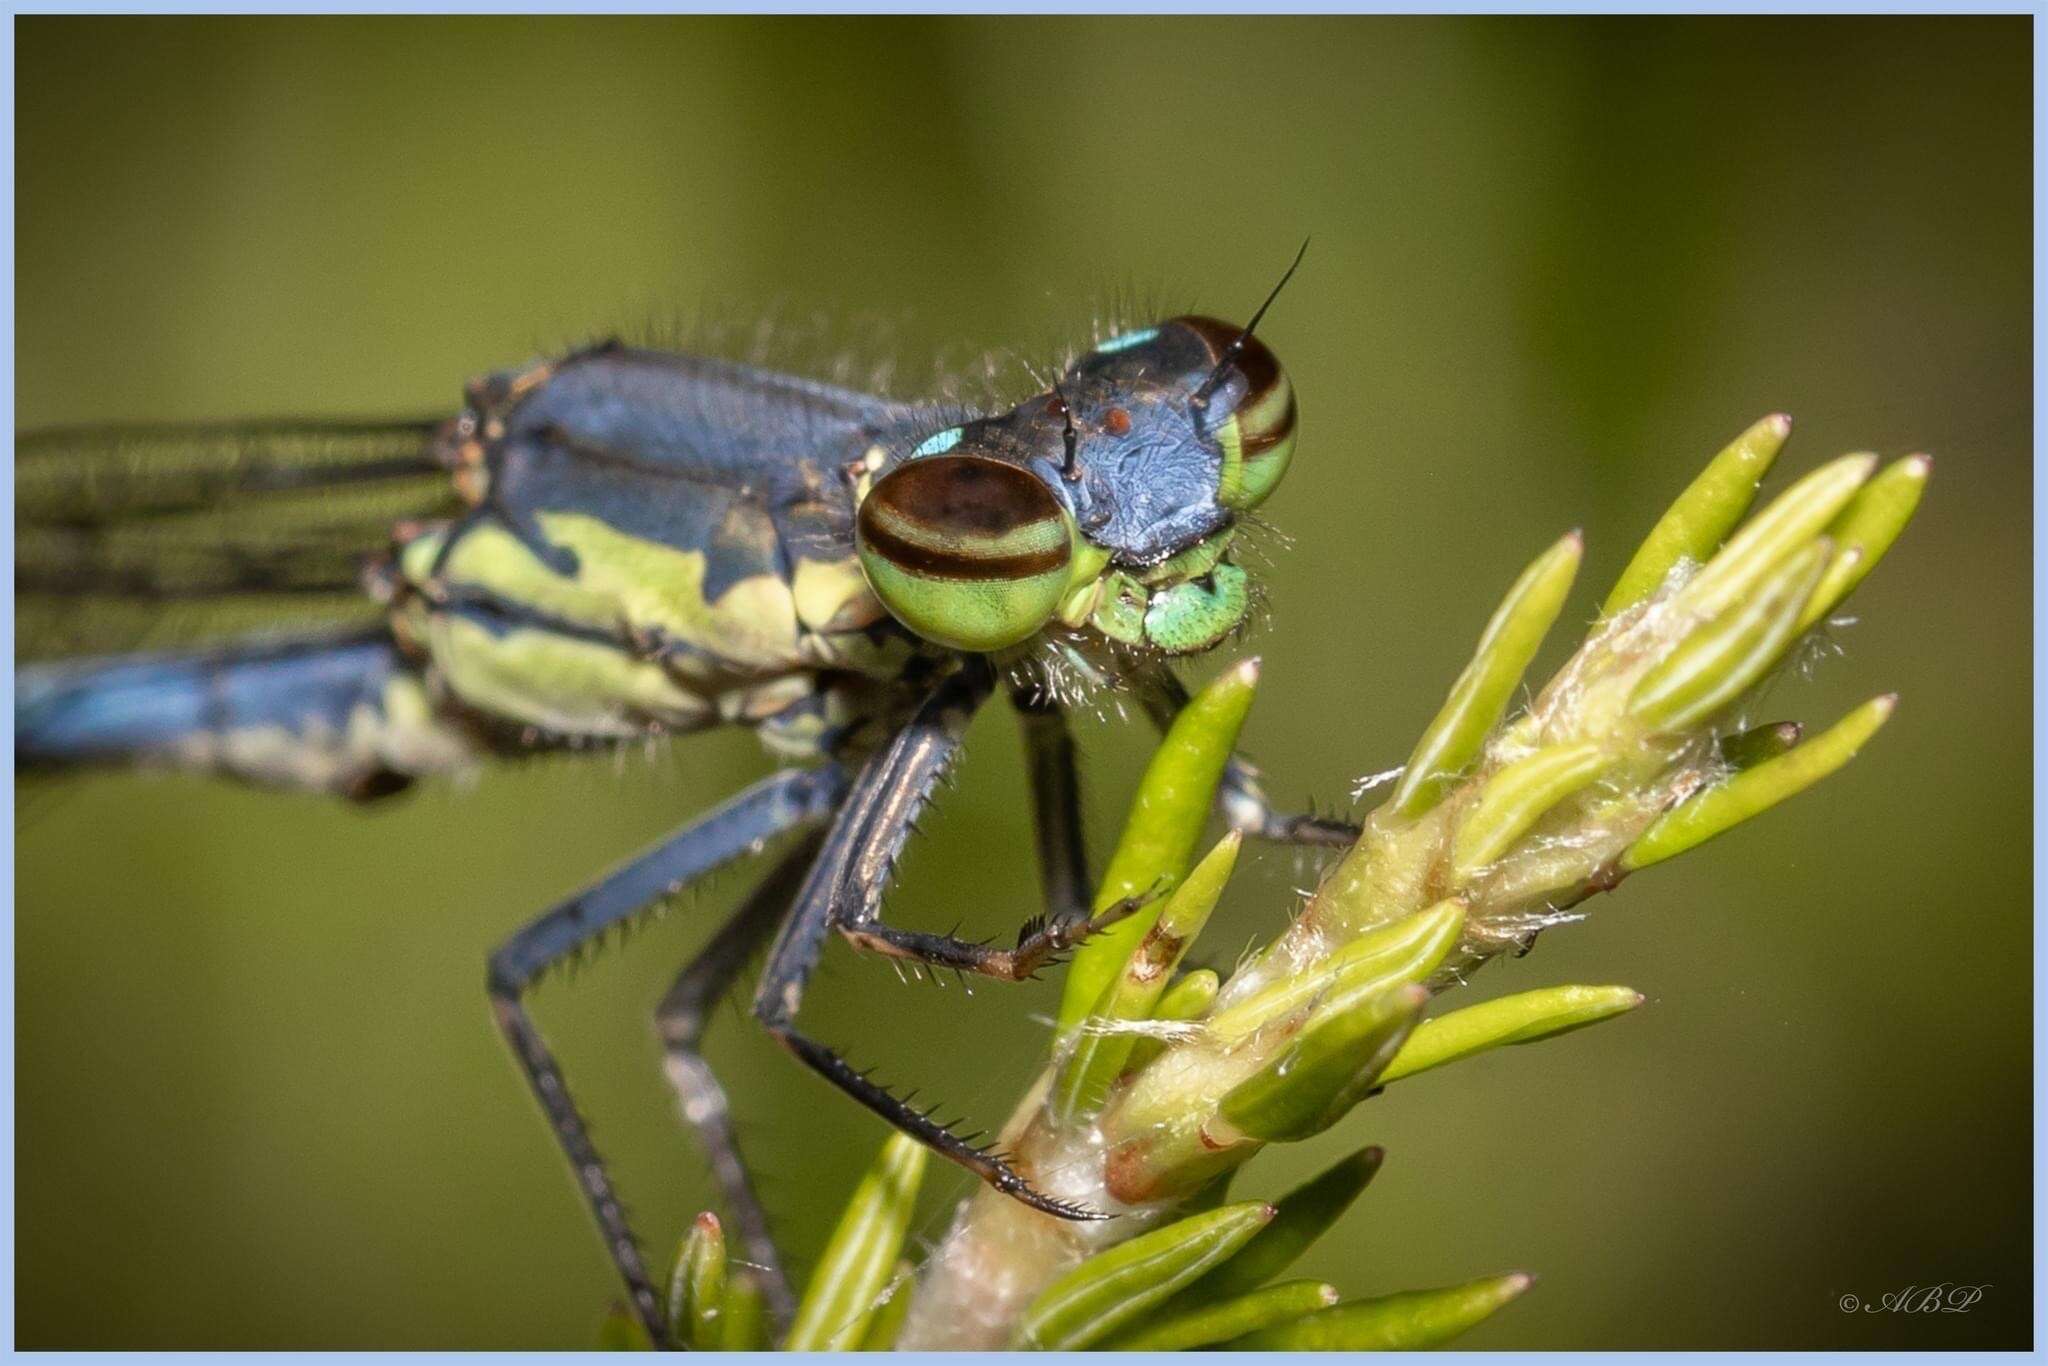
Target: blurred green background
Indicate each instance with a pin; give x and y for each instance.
(1555, 264)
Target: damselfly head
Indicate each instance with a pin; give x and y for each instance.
(1107, 503)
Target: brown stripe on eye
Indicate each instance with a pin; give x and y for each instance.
(1257, 443)
(932, 563)
(967, 495)
(1256, 362)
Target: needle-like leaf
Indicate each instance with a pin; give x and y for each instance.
(1481, 693)
(1865, 530)
(696, 1287)
(855, 1268)
(1516, 797)
(1721, 660)
(1521, 1018)
(1113, 1288)
(1394, 1323)
(1329, 1069)
(1405, 951)
(1300, 1217)
(1203, 1325)
(1722, 808)
(1098, 1057)
(1793, 519)
(1163, 829)
(1711, 506)
(1188, 998)
(745, 1327)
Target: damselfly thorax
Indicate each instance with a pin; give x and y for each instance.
(654, 544)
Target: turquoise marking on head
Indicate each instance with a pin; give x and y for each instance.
(938, 443)
(1126, 341)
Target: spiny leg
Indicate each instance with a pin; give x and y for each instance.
(781, 802)
(915, 761)
(1035, 947)
(681, 1018)
(1055, 805)
(852, 871)
(1242, 795)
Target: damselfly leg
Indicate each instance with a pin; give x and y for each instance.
(907, 773)
(680, 1020)
(784, 801)
(843, 893)
(685, 1010)
(1049, 755)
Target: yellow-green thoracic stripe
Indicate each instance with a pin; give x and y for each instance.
(966, 551)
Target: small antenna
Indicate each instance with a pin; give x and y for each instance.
(1231, 352)
(1071, 469)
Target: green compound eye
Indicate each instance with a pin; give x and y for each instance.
(966, 551)
(1258, 436)
(1192, 616)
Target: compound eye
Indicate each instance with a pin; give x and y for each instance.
(968, 552)
(1258, 435)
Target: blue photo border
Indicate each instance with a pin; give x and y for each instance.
(1142, 7)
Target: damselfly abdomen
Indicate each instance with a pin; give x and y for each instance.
(624, 543)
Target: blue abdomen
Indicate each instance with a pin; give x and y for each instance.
(343, 714)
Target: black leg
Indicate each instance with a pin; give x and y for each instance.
(842, 891)
(1242, 796)
(783, 801)
(681, 1018)
(1055, 805)
(901, 779)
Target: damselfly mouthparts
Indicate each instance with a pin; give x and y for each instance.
(624, 543)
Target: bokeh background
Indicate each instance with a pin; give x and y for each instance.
(1555, 264)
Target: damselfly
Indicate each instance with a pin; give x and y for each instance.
(626, 543)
